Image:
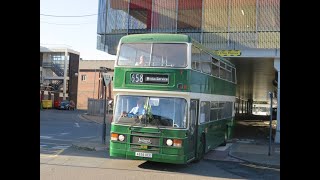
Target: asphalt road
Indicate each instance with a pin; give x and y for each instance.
(60, 128)
(59, 160)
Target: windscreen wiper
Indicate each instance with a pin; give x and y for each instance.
(157, 124)
(135, 122)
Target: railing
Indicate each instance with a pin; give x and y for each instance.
(57, 85)
(57, 70)
(47, 64)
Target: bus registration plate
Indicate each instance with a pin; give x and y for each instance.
(142, 154)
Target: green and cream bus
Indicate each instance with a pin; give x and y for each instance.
(188, 96)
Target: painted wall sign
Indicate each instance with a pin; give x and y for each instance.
(228, 52)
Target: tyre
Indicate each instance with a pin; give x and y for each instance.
(225, 139)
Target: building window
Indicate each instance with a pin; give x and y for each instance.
(83, 77)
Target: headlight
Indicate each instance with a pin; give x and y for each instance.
(121, 137)
(169, 142)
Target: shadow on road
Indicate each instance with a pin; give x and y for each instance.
(254, 129)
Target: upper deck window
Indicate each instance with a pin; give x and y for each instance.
(153, 55)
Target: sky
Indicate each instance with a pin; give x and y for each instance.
(77, 33)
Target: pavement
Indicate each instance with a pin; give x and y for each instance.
(250, 143)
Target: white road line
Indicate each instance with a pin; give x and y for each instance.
(53, 139)
(247, 141)
(223, 148)
(82, 117)
(46, 156)
(53, 143)
(64, 133)
(60, 147)
(77, 125)
(48, 150)
(87, 137)
(51, 156)
(45, 137)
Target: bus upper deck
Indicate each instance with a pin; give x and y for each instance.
(164, 50)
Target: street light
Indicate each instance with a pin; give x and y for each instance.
(270, 123)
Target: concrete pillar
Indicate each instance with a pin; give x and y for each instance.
(241, 107)
(238, 108)
(42, 95)
(277, 67)
(65, 74)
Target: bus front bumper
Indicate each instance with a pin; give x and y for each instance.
(166, 158)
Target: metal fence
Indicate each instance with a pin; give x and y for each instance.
(96, 107)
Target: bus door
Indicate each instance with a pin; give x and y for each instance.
(193, 127)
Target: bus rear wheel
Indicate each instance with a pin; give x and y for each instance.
(225, 139)
(225, 136)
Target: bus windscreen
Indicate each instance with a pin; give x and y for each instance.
(151, 111)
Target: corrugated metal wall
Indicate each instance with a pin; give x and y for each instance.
(95, 107)
(218, 24)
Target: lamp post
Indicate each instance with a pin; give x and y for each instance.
(106, 81)
(270, 124)
(104, 125)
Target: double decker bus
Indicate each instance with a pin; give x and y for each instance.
(187, 95)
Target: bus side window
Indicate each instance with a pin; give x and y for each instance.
(206, 67)
(206, 62)
(196, 65)
(195, 58)
(215, 67)
(193, 65)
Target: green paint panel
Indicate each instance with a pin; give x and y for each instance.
(118, 145)
(173, 151)
(202, 83)
(196, 82)
(176, 76)
(214, 132)
(172, 133)
(165, 153)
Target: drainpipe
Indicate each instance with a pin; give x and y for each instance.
(277, 67)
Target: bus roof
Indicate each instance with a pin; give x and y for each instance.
(165, 38)
(155, 37)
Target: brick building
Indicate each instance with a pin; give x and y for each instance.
(90, 82)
